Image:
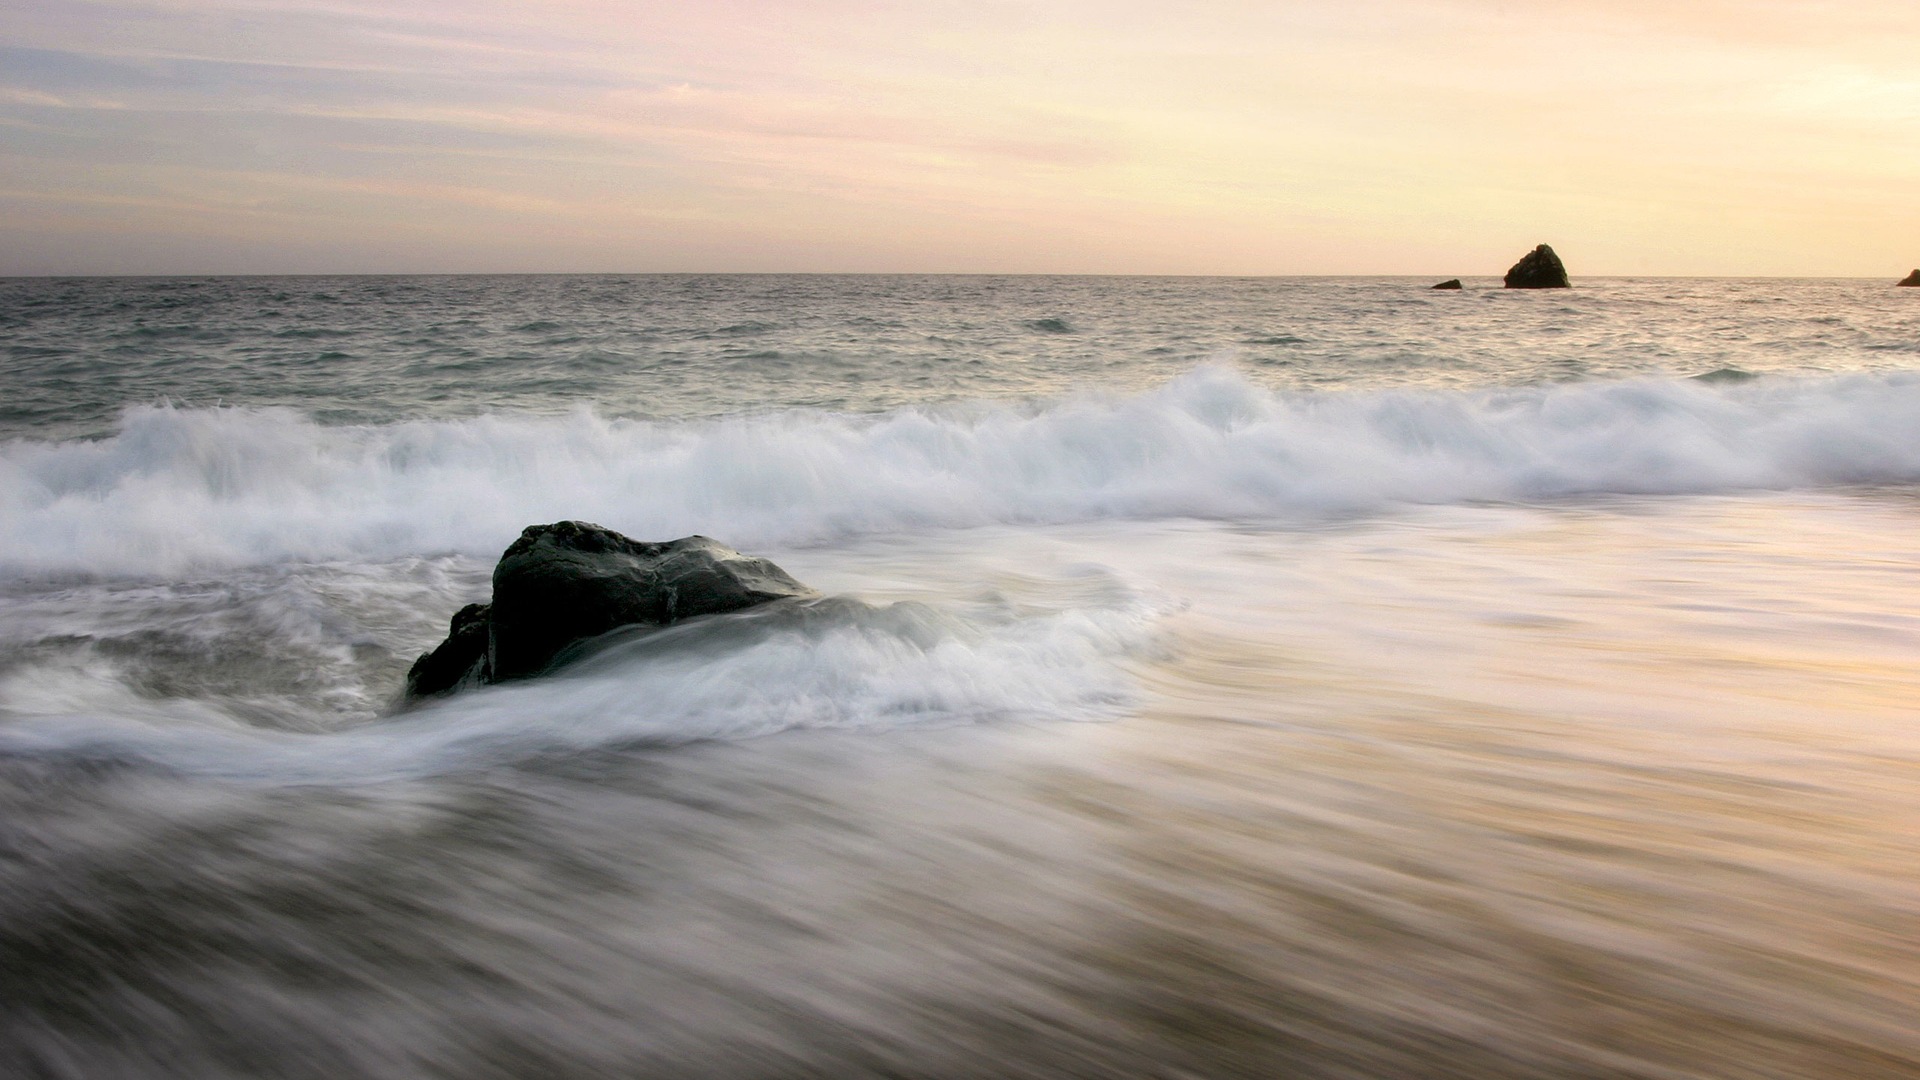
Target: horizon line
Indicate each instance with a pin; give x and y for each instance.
(901, 273)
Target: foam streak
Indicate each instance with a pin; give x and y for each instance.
(183, 489)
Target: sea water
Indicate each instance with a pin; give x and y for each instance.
(1214, 677)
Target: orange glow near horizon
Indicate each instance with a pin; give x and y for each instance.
(1438, 137)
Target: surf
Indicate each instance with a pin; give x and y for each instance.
(178, 490)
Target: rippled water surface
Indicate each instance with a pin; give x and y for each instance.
(377, 349)
(1213, 679)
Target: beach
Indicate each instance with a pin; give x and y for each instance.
(1217, 677)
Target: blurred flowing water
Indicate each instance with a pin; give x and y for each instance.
(1215, 678)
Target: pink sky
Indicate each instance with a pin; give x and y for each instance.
(1438, 137)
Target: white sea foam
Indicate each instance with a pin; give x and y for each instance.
(181, 489)
(834, 664)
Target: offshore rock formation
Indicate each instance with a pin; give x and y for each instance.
(1724, 375)
(563, 583)
(1912, 279)
(1450, 283)
(1538, 269)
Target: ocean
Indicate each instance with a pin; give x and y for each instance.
(1213, 678)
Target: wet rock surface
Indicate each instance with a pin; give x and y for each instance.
(570, 581)
(461, 660)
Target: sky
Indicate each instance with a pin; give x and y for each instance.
(1433, 137)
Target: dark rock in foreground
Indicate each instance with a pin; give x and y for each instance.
(1538, 269)
(564, 583)
(1912, 279)
(1450, 283)
(457, 662)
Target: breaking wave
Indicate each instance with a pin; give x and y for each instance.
(180, 489)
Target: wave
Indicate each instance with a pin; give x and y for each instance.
(179, 489)
(831, 664)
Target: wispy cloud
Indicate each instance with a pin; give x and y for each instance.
(1416, 135)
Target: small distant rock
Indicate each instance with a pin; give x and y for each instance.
(1912, 279)
(1725, 375)
(1450, 283)
(570, 581)
(1538, 269)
